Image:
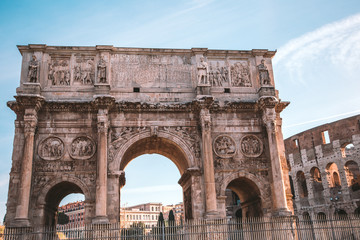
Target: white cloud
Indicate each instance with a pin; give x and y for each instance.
(337, 43)
(152, 189)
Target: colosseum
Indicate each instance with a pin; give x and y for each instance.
(324, 169)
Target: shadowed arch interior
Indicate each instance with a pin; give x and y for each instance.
(54, 197)
(157, 145)
(249, 195)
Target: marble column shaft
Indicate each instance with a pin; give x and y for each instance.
(208, 163)
(30, 122)
(101, 188)
(269, 118)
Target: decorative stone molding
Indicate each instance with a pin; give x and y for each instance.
(51, 148)
(82, 148)
(224, 146)
(251, 146)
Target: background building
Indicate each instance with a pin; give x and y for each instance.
(148, 214)
(324, 168)
(75, 211)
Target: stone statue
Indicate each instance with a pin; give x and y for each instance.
(102, 71)
(33, 70)
(263, 73)
(202, 71)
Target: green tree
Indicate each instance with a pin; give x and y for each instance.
(171, 218)
(160, 219)
(62, 218)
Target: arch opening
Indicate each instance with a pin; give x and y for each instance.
(352, 175)
(317, 186)
(347, 149)
(301, 182)
(157, 145)
(169, 150)
(53, 199)
(245, 196)
(333, 175)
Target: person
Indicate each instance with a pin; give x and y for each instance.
(33, 70)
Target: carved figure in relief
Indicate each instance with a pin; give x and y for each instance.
(102, 71)
(83, 72)
(82, 148)
(263, 73)
(224, 146)
(59, 73)
(219, 75)
(251, 146)
(33, 70)
(77, 74)
(240, 75)
(202, 69)
(51, 148)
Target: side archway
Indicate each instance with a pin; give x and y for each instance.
(252, 197)
(52, 194)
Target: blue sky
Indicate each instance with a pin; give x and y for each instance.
(316, 67)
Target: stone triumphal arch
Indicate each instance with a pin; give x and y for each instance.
(83, 113)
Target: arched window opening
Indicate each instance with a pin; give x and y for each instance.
(317, 186)
(352, 175)
(301, 181)
(321, 216)
(292, 187)
(347, 149)
(73, 206)
(333, 175)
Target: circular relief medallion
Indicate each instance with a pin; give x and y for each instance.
(224, 146)
(251, 146)
(51, 148)
(82, 148)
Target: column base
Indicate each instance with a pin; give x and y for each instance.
(100, 220)
(21, 222)
(212, 215)
(282, 212)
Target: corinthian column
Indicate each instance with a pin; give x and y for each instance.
(277, 154)
(208, 163)
(22, 209)
(101, 181)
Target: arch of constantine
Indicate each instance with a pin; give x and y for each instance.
(83, 113)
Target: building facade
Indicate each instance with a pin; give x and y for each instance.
(324, 168)
(75, 211)
(83, 113)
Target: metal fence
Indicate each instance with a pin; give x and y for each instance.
(250, 228)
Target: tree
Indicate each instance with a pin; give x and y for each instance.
(63, 218)
(171, 218)
(160, 219)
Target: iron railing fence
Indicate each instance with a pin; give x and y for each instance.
(279, 228)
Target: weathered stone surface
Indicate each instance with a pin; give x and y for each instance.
(325, 172)
(97, 108)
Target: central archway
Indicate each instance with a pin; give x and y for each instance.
(169, 146)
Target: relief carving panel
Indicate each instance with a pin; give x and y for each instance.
(33, 70)
(82, 148)
(224, 146)
(240, 74)
(84, 70)
(59, 72)
(218, 75)
(51, 148)
(251, 146)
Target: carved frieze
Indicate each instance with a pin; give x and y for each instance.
(224, 146)
(51, 148)
(59, 72)
(82, 148)
(240, 75)
(218, 76)
(84, 70)
(120, 135)
(33, 70)
(54, 166)
(251, 146)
